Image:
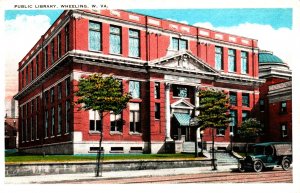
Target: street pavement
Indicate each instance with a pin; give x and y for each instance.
(115, 174)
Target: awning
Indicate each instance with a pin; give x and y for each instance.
(183, 118)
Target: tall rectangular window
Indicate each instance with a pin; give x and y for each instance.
(68, 116)
(46, 98)
(245, 99)
(46, 57)
(52, 51)
(31, 71)
(59, 91)
(233, 98)
(115, 40)
(59, 121)
(52, 121)
(157, 110)
(36, 127)
(134, 89)
(67, 41)
(244, 62)
(262, 105)
(283, 108)
(245, 115)
(157, 90)
(231, 61)
(116, 122)
(27, 78)
(22, 79)
(233, 120)
(46, 124)
(179, 44)
(95, 121)
(31, 128)
(37, 65)
(135, 122)
(284, 132)
(94, 36)
(68, 86)
(219, 58)
(52, 95)
(134, 43)
(58, 45)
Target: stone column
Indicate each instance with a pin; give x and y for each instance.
(168, 114)
(197, 89)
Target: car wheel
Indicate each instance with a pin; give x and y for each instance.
(257, 166)
(285, 164)
(241, 167)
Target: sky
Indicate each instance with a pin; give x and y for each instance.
(24, 27)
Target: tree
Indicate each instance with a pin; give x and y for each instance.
(102, 94)
(249, 131)
(213, 107)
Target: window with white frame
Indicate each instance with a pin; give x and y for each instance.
(219, 58)
(115, 40)
(244, 62)
(179, 44)
(284, 132)
(94, 36)
(116, 122)
(95, 121)
(157, 90)
(245, 99)
(134, 89)
(135, 120)
(233, 98)
(231, 61)
(134, 43)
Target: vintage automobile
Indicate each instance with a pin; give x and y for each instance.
(267, 156)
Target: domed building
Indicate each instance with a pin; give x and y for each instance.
(275, 104)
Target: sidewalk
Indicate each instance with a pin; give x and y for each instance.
(114, 174)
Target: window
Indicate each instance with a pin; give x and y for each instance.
(31, 128)
(59, 121)
(31, 106)
(180, 91)
(52, 51)
(221, 131)
(116, 122)
(52, 95)
(46, 97)
(232, 98)
(31, 71)
(283, 108)
(179, 44)
(46, 58)
(157, 110)
(27, 81)
(68, 86)
(284, 130)
(52, 121)
(58, 45)
(134, 43)
(115, 40)
(262, 105)
(46, 124)
(219, 58)
(135, 123)
(94, 36)
(95, 121)
(67, 38)
(59, 91)
(134, 89)
(233, 120)
(22, 80)
(37, 65)
(245, 99)
(157, 90)
(36, 126)
(231, 61)
(244, 62)
(245, 115)
(68, 116)
(37, 104)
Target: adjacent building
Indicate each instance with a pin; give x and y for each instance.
(162, 63)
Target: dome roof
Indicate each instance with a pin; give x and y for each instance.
(268, 57)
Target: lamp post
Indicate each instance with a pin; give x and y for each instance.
(201, 138)
(231, 137)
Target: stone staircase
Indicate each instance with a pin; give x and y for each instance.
(223, 157)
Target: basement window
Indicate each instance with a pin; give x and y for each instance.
(95, 149)
(116, 150)
(136, 150)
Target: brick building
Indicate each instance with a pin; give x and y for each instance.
(11, 133)
(162, 63)
(275, 101)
